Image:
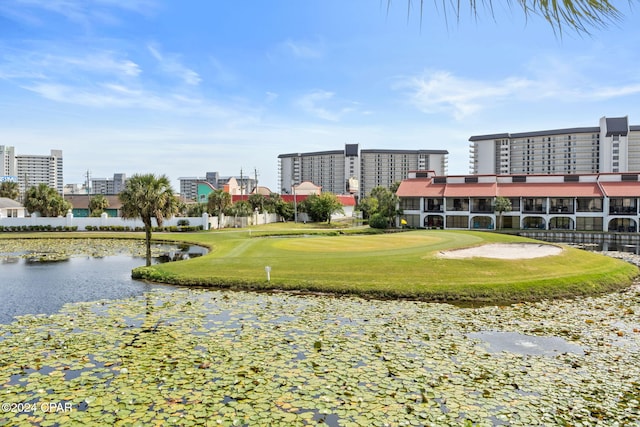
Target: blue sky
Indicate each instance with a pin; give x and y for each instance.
(186, 87)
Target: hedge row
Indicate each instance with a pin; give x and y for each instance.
(26, 228)
(31, 228)
(172, 228)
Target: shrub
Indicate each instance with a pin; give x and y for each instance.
(377, 220)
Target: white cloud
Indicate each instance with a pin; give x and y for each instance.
(324, 105)
(310, 101)
(271, 96)
(83, 12)
(443, 92)
(171, 64)
(48, 63)
(100, 96)
(302, 49)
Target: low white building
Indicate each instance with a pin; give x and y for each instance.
(11, 209)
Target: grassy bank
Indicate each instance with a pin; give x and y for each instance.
(399, 265)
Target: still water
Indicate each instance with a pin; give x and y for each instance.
(43, 288)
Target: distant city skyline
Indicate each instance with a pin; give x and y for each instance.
(153, 86)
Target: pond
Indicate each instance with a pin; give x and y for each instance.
(31, 285)
(198, 357)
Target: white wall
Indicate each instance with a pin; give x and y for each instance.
(104, 220)
(206, 221)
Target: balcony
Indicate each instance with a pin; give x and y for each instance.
(482, 206)
(561, 210)
(539, 209)
(623, 210)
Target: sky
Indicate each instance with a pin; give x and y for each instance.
(182, 88)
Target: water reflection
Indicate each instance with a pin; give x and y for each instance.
(608, 247)
(30, 286)
(515, 342)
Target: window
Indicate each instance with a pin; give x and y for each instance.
(410, 203)
(457, 221)
(585, 204)
(588, 224)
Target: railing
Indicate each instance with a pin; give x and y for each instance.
(623, 210)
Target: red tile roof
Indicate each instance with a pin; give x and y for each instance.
(565, 189)
(424, 187)
(420, 187)
(346, 200)
(621, 189)
(479, 189)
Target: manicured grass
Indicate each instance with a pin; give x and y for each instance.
(396, 265)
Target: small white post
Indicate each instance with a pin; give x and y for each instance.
(268, 270)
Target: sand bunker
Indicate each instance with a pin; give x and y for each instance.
(504, 251)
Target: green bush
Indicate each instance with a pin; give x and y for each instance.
(377, 220)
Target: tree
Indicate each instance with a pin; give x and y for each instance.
(377, 220)
(577, 15)
(241, 208)
(320, 208)
(387, 203)
(257, 201)
(502, 205)
(97, 204)
(146, 197)
(286, 210)
(10, 190)
(368, 206)
(46, 201)
(196, 209)
(218, 202)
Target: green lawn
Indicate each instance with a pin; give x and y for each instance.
(393, 265)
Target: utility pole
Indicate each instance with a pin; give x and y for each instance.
(241, 186)
(295, 205)
(88, 174)
(255, 174)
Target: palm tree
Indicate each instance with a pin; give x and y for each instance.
(502, 205)
(10, 190)
(218, 202)
(46, 201)
(98, 204)
(146, 197)
(578, 15)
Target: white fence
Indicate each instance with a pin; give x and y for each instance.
(207, 222)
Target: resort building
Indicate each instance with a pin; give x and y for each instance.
(113, 185)
(612, 146)
(31, 170)
(585, 202)
(36, 169)
(8, 161)
(198, 188)
(355, 171)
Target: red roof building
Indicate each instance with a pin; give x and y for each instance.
(589, 202)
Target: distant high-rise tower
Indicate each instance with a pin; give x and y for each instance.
(612, 146)
(356, 171)
(7, 161)
(36, 169)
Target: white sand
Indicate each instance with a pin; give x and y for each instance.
(504, 251)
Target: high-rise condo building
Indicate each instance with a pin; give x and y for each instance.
(32, 170)
(355, 171)
(7, 161)
(612, 146)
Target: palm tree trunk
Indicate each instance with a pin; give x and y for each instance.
(147, 232)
